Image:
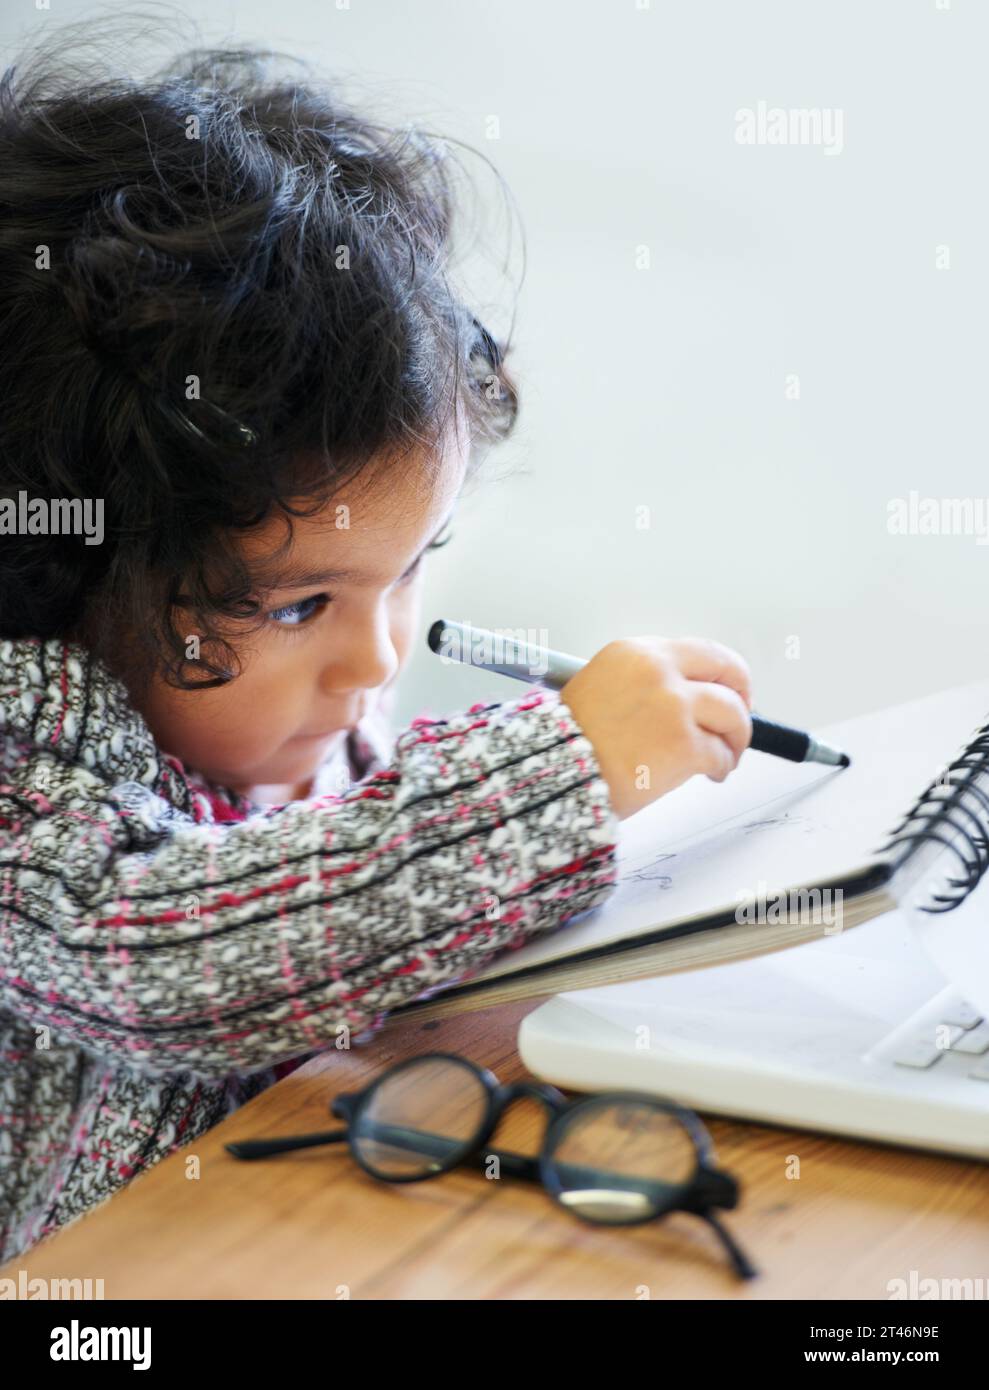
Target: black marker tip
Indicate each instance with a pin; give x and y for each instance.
(845, 761)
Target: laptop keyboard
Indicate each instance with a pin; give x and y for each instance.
(947, 1032)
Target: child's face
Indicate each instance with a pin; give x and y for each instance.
(316, 669)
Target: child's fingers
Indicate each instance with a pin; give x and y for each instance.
(700, 659)
(717, 757)
(720, 710)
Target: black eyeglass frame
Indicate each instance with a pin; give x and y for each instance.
(706, 1188)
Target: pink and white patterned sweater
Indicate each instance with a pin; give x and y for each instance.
(168, 947)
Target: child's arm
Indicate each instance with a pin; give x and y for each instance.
(228, 947)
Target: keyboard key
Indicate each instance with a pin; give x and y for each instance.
(960, 1013)
(974, 1041)
(917, 1052)
(980, 1072)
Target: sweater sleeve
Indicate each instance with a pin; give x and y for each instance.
(228, 947)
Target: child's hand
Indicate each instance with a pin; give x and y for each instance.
(657, 711)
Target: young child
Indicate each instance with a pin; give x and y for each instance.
(226, 316)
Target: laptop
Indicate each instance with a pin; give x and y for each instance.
(857, 1034)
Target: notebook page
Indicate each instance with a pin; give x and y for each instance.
(772, 826)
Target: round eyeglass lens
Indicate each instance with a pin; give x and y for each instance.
(420, 1119)
(617, 1161)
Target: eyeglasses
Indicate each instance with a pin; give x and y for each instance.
(615, 1159)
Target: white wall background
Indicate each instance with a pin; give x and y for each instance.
(666, 387)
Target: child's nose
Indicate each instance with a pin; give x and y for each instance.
(359, 659)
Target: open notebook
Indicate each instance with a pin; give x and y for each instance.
(778, 854)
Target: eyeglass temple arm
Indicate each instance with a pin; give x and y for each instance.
(743, 1266)
(266, 1148)
(521, 1166)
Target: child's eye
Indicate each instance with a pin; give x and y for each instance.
(299, 613)
(441, 541)
(302, 612)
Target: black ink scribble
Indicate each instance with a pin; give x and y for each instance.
(802, 822)
(649, 874)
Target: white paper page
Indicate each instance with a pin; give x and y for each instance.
(703, 847)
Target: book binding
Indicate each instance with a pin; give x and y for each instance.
(953, 802)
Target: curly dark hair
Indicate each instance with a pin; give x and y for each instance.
(219, 289)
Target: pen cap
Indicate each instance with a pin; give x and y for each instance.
(503, 653)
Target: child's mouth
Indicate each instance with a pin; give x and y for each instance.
(334, 733)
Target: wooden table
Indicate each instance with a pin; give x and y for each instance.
(313, 1225)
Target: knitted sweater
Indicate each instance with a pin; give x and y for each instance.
(165, 943)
